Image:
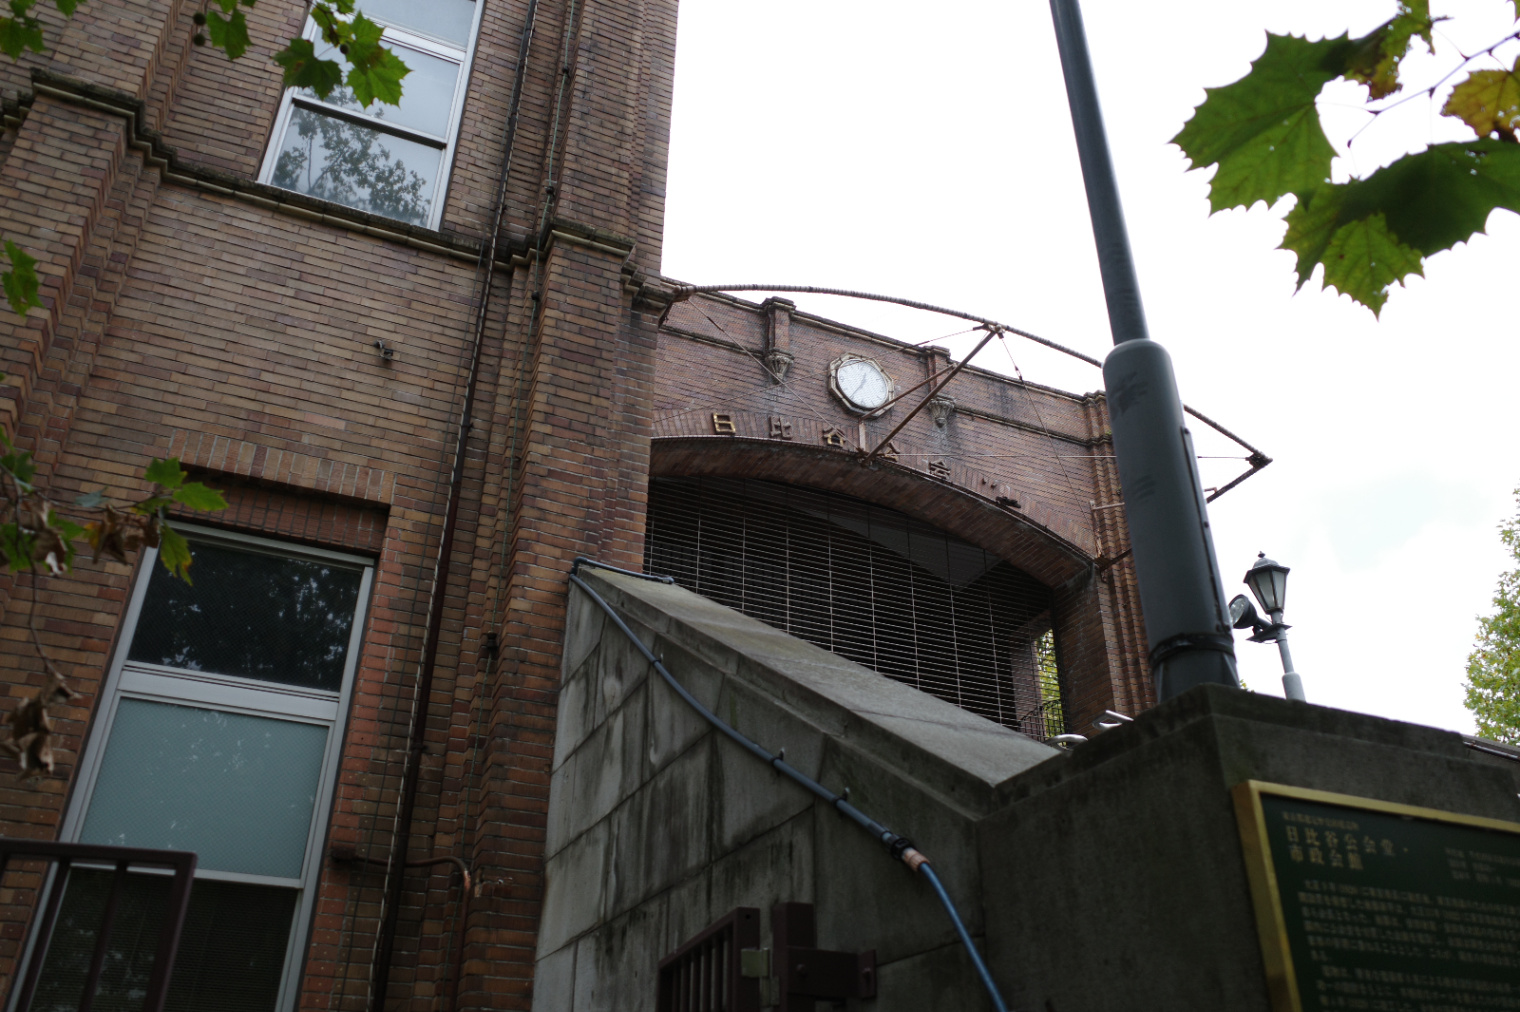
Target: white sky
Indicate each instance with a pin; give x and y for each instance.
(926, 151)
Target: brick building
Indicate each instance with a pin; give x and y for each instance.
(430, 359)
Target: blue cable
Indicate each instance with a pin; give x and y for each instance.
(900, 847)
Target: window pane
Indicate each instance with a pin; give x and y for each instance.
(231, 952)
(427, 93)
(447, 20)
(236, 789)
(338, 160)
(280, 619)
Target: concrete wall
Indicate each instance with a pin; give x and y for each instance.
(1129, 849)
(659, 826)
(1110, 877)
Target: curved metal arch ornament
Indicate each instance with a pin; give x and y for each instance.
(681, 293)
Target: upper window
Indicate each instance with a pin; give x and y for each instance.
(388, 160)
(218, 732)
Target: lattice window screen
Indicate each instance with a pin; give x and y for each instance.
(868, 583)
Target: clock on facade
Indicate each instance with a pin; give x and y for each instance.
(860, 383)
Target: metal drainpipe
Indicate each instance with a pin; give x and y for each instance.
(441, 570)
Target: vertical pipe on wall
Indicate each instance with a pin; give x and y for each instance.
(486, 269)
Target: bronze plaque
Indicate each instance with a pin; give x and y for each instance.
(1367, 905)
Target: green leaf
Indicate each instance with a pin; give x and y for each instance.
(20, 30)
(90, 500)
(376, 72)
(304, 70)
(197, 496)
(229, 33)
(1263, 131)
(1493, 668)
(1428, 202)
(66, 528)
(1374, 59)
(1311, 224)
(67, 7)
(148, 507)
(1488, 101)
(1438, 197)
(20, 282)
(19, 464)
(16, 546)
(165, 473)
(1364, 259)
(174, 552)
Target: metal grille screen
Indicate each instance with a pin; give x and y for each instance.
(868, 583)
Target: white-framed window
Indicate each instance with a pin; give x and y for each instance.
(388, 160)
(218, 731)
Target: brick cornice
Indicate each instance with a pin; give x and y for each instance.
(158, 155)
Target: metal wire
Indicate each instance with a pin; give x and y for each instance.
(681, 293)
(900, 847)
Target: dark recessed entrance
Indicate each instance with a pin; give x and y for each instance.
(868, 583)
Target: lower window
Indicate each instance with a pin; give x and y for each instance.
(218, 732)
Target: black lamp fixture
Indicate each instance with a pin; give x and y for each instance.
(1269, 583)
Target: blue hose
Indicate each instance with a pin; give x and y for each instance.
(900, 847)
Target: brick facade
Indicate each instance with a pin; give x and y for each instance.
(191, 311)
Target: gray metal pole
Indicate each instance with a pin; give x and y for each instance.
(1187, 623)
(1293, 685)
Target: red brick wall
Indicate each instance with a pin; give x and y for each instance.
(187, 320)
(1017, 468)
(192, 313)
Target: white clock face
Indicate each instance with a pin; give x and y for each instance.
(863, 384)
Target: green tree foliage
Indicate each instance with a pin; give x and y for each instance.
(374, 75)
(37, 539)
(1493, 668)
(1263, 134)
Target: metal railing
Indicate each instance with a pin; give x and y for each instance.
(62, 857)
(704, 975)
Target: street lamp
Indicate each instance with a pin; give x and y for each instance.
(1269, 584)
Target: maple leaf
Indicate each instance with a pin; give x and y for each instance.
(1374, 60)
(1312, 223)
(376, 72)
(197, 496)
(166, 473)
(1488, 101)
(1427, 202)
(174, 552)
(228, 32)
(1364, 258)
(1263, 131)
(304, 70)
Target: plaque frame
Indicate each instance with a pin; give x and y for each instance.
(1266, 900)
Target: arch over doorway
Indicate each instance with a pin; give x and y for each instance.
(1013, 537)
(1082, 611)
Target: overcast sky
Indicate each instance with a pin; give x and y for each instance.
(926, 151)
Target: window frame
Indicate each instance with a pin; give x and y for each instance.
(407, 39)
(126, 679)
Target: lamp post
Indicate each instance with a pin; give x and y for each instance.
(1181, 595)
(1268, 581)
